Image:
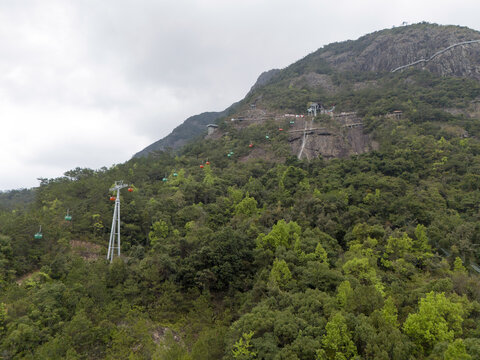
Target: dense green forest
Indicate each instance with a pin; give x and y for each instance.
(367, 257)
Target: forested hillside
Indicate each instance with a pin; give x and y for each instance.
(232, 251)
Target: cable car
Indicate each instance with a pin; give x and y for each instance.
(208, 162)
(38, 235)
(250, 146)
(175, 174)
(267, 137)
(68, 217)
(229, 155)
(165, 179)
(130, 189)
(113, 198)
(201, 166)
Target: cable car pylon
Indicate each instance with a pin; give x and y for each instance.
(115, 231)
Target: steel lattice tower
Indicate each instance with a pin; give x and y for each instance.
(115, 231)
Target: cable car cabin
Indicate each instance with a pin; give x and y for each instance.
(130, 189)
(208, 163)
(38, 235)
(113, 198)
(175, 174)
(267, 137)
(250, 146)
(201, 166)
(164, 179)
(68, 217)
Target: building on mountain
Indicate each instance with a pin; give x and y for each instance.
(211, 128)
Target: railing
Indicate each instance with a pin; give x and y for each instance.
(436, 54)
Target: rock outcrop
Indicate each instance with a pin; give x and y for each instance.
(386, 50)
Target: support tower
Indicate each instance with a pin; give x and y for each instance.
(115, 231)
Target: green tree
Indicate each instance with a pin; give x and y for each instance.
(3, 315)
(97, 224)
(456, 351)
(241, 348)
(159, 232)
(320, 253)
(458, 266)
(282, 234)
(421, 245)
(437, 319)
(361, 269)
(390, 312)
(280, 274)
(246, 207)
(337, 343)
(345, 295)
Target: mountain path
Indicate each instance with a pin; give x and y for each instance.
(436, 54)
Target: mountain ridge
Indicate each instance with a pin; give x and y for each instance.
(380, 52)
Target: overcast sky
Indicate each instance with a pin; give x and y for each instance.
(89, 83)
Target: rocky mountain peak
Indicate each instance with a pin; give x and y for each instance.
(265, 78)
(389, 49)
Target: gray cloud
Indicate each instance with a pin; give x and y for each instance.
(89, 83)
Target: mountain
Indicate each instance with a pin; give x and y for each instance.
(355, 66)
(188, 130)
(352, 233)
(386, 50)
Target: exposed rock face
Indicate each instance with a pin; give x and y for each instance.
(339, 141)
(350, 141)
(315, 80)
(388, 49)
(265, 78)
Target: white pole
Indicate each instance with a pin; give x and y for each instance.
(118, 221)
(112, 234)
(115, 223)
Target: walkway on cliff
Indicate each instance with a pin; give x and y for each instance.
(436, 54)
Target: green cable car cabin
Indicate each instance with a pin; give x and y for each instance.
(38, 235)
